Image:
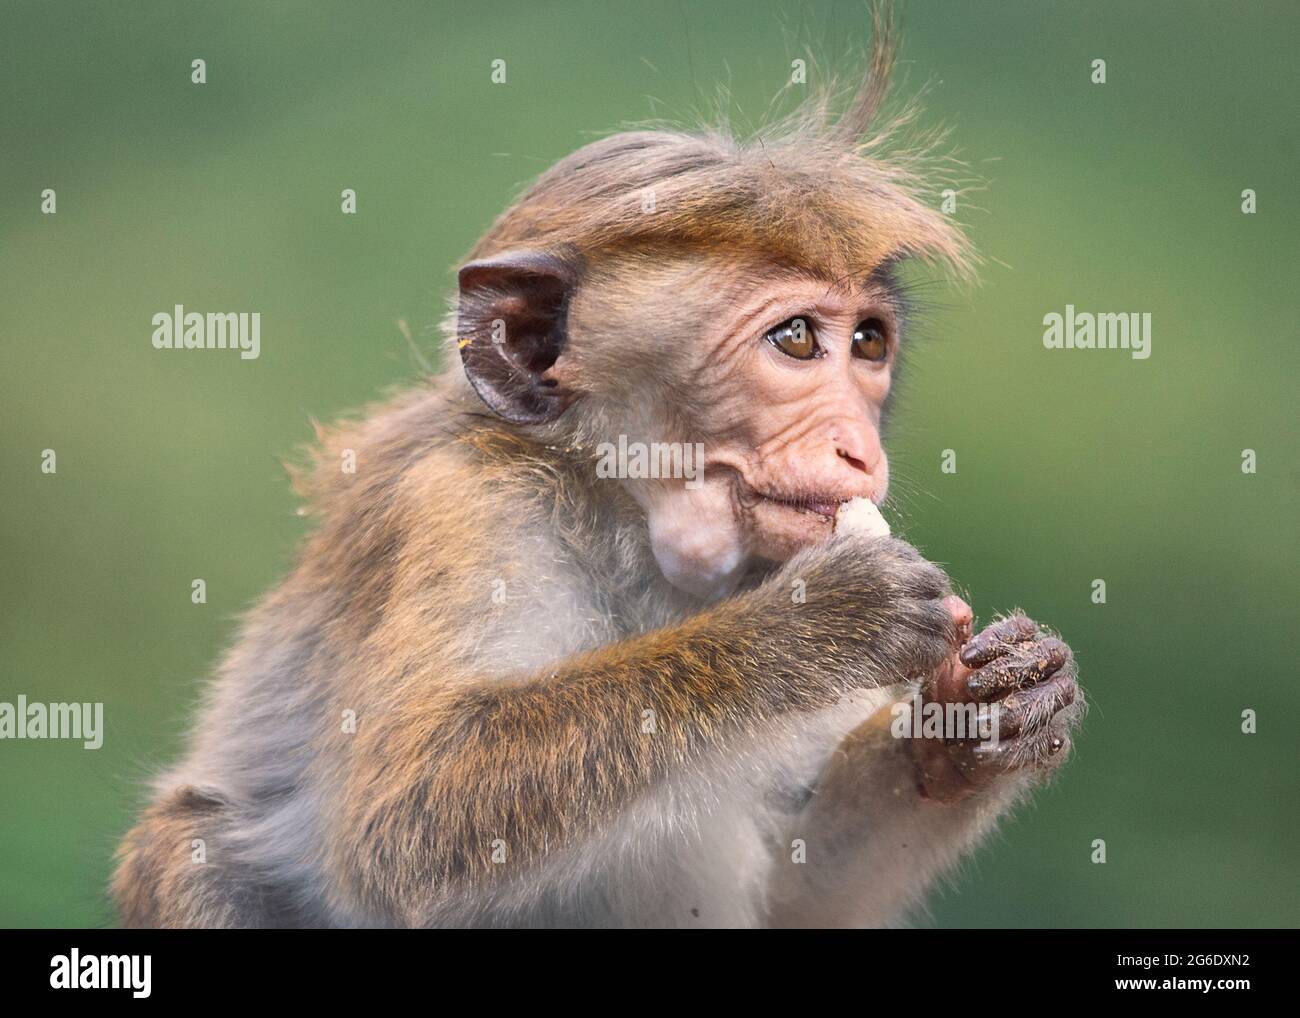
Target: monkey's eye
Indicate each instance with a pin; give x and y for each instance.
(869, 341)
(795, 339)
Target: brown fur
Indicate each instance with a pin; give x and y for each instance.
(391, 576)
(836, 194)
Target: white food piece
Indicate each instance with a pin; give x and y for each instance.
(860, 516)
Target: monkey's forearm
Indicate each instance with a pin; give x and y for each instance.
(529, 766)
(874, 841)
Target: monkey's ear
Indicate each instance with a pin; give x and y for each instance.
(511, 329)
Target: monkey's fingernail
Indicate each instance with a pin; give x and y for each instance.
(997, 640)
(979, 652)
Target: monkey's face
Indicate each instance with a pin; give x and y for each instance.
(787, 389)
(739, 404)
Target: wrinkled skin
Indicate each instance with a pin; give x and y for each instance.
(785, 440)
(1030, 675)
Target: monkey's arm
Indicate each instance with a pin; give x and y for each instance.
(429, 787)
(888, 814)
(874, 840)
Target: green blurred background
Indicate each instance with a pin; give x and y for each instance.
(1071, 465)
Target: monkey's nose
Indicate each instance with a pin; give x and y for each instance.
(856, 445)
(852, 460)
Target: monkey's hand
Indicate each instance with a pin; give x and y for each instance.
(1029, 677)
(872, 609)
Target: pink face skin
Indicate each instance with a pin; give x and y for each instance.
(776, 431)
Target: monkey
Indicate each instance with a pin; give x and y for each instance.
(498, 690)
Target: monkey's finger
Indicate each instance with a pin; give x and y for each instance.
(962, 617)
(913, 575)
(1041, 748)
(995, 679)
(1025, 665)
(923, 636)
(1032, 708)
(948, 682)
(1050, 655)
(997, 639)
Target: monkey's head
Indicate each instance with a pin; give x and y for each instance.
(657, 293)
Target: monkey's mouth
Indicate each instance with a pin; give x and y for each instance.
(779, 524)
(824, 506)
